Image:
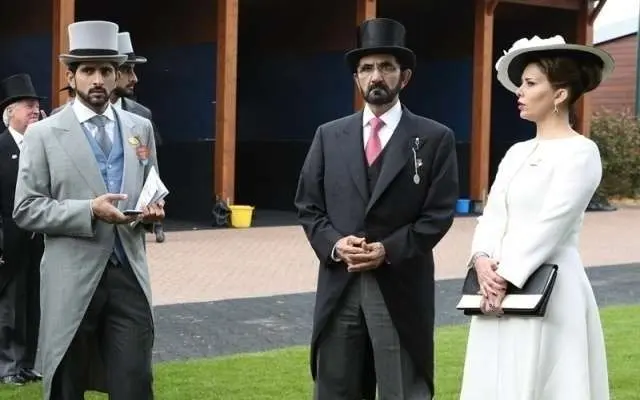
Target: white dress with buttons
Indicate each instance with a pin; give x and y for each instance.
(534, 215)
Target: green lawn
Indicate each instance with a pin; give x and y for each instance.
(283, 374)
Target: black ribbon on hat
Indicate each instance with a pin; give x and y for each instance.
(93, 52)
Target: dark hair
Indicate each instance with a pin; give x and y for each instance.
(577, 75)
(73, 67)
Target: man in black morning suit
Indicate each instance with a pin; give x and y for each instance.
(20, 274)
(376, 193)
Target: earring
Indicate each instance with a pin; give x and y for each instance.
(555, 108)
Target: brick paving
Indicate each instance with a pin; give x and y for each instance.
(230, 291)
(208, 265)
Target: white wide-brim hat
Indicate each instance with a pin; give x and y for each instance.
(93, 41)
(511, 65)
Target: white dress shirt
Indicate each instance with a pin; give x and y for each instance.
(118, 103)
(391, 120)
(84, 114)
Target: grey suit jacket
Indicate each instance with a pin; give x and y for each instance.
(61, 107)
(139, 109)
(57, 177)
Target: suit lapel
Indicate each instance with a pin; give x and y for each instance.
(131, 163)
(352, 146)
(75, 143)
(397, 152)
(10, 153)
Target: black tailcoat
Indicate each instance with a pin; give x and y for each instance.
(409, 219)
(22, 254)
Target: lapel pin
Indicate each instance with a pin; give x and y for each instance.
(14, 156)
(417, 162)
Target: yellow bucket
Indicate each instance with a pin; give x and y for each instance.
(241, 216)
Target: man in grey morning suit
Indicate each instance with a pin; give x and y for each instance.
(376, 193)
(79, 170)
(122, 97)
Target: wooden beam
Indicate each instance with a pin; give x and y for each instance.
(584, 35)
(481, 107)
(226, 93)
(562, 4)
(596, 11)
(63, 15)
(365, 9)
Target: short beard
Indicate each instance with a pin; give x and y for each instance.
(381, 94)
(123, 92)
(95, 104)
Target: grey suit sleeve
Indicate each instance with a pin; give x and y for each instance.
(153, 160)
(35, 209)
(156, 133)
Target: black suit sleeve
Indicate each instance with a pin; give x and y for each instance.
(436, 216)
(310, 202)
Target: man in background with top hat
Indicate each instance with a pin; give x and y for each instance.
(123, 95)
(20, 273)
(81, 168)
(376, 193)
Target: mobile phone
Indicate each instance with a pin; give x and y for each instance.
(131, 212)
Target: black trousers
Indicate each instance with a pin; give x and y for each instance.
(119, 319)
(20, 302)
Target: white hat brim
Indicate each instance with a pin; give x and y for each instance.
(503, 67)
(70, 59)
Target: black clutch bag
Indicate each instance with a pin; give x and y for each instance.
(531, 300)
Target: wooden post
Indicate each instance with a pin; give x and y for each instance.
(365, 9)
(63, 14)
(584, 35)
(225, 111)
(481, 106)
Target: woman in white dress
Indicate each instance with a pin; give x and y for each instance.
(534, 216)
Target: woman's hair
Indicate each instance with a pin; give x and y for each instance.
(575, 75)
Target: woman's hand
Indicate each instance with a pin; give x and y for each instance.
(492, 305)
(491, 284)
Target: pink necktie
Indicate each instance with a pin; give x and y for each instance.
(374, 146)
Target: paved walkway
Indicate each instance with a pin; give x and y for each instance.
(200, 330)
(232, 291)
(206, 265)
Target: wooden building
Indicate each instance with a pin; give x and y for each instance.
(620, 39)
(238, 87)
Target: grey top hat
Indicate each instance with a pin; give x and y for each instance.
(93, 41)
(125, 47)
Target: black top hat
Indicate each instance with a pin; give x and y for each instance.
(15, 88)
(381, 36)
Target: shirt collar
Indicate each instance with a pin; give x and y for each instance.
(84, 113)
(118, 104)
(391, 118)
(17, 137)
